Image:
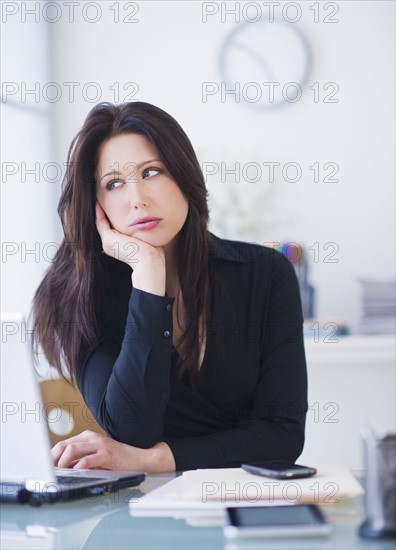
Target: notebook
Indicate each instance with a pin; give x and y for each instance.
(27, 471)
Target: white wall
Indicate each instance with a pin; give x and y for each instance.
(28, 201)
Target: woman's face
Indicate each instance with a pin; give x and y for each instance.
(136, 191)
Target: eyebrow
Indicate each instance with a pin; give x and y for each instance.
(138, 166)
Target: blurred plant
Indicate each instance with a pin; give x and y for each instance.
(241, 208)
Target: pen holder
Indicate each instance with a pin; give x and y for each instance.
(380, 496)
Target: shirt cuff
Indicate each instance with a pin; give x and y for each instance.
(190, 451)
(149, 318)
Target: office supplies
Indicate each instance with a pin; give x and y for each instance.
(27, 473)
(203, 493)
(380, 497)
(276, 521)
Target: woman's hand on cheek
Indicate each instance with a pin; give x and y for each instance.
(147, 261)
(94, 450)
(115, 244)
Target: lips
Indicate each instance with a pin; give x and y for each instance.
(148, 222)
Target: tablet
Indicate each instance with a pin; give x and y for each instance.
(276, 521)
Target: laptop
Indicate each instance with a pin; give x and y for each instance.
(27, 471)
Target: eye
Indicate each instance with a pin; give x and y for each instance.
(150, 172)
(115, 184)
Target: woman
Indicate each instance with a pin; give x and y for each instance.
(187, 348)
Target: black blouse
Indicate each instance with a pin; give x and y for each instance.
(251, 398)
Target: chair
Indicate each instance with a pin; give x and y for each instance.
(65, 409)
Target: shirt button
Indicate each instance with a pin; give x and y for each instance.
(168, 307)
(167, 334)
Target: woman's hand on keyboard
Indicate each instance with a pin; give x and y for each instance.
(94, 450)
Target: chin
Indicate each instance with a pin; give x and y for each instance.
(145, 236)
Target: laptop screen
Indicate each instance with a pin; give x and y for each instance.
(25, 446)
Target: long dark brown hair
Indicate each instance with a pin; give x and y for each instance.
(68, 304)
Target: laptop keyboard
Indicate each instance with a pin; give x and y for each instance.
(76, 480)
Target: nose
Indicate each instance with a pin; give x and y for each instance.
(138, 197)
(136, 204)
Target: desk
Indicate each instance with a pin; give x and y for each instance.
(104, 522)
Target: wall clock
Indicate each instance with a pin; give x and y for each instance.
(266, 63)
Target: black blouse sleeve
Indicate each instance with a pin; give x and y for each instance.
(127, 389)
(274, 427)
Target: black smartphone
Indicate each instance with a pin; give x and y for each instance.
(279, 469)
(276, 521)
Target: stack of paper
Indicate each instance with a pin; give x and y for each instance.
(203, 492)
(378, 307)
